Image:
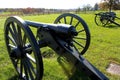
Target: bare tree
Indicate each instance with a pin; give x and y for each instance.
(110, 4)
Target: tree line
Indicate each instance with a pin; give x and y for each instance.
(107, 4)
(29, 11)
(103, 5)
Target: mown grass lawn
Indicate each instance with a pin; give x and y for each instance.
(104, 49)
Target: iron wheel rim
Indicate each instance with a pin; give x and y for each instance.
(82, 41)
(27, 62)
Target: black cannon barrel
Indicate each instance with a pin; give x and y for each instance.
(35, 24)
(58, 28)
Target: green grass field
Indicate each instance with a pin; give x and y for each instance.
(104, 49)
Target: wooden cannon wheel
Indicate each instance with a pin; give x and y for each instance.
(101, 19)
(23, 49)
(82, 41)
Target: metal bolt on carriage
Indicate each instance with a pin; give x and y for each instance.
(68, 36)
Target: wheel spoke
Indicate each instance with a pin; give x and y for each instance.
(28, 66)
(12, 46)
(28, 50)
(59, 21)
(77, 24)
(26, 73)
(80, 38)
(65, 20)
(24, 40)
(20, 35)
(78, 44)
(21, 68)
(15, 32)
(31, 66)
(81, 31)
(14, 29)
(71, 20)
(76, 48)
(11, 39)
(15, 62)
(31, 58)
(12, 34)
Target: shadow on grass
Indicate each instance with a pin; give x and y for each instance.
(112, 26)
(14, 78)
(74, 75)
(71, 72)
(69, 69)
(77, 75)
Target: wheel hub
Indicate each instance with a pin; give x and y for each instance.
(17, 53)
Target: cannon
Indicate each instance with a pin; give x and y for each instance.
(69, 37)
(106, 18)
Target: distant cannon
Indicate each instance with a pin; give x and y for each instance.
(106, 18)
(69, 37)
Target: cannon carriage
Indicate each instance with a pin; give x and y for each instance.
(69, 37)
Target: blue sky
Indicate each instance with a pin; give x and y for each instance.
(58, 4)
